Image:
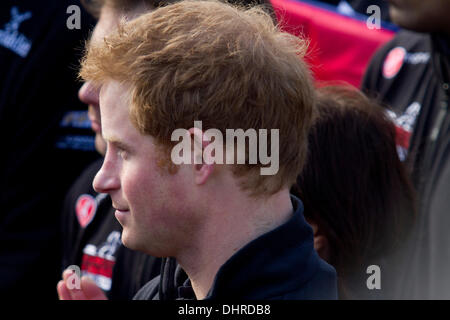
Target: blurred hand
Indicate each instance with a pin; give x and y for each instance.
(87, 290)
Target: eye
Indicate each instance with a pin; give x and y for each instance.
(122, 153)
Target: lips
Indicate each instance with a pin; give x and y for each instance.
(122, 216)
(121, 210)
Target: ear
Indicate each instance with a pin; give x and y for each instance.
(321, 244)
(202, 169)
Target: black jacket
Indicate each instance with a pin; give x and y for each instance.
(411, 75)
(94, 244)
(281, 264)
(46, 137)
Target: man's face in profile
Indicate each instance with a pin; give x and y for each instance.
(88, 93)
(142, 192)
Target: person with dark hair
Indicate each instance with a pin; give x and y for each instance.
(411, 75)
(357, 194)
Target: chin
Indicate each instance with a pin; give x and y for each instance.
(127, 241)
(132, 243)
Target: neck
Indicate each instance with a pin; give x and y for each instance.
(233, 221)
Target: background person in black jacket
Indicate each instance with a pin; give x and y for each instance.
(411, 75)
(46, 138)
(90, 233)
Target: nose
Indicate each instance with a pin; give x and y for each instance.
(89, 94)
(107, 179)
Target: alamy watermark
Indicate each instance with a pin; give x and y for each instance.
(74, 20)
(233, 145)
(374, 21)
(374, 280)
(74, 279)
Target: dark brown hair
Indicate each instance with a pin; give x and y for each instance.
(354, 186)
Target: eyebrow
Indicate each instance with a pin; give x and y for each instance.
(119, 144)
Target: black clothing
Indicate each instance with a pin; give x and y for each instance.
(411, 74)
(281, 264)
(94, 244)
(46, 138)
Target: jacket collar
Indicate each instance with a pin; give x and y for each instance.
(275, 263)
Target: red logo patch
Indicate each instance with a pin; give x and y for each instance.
(393, 62)
(403, 137)
(85, 208)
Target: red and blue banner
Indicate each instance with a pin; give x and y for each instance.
(341, 46)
